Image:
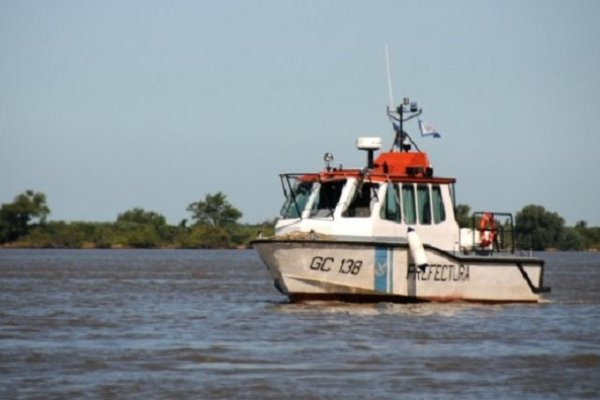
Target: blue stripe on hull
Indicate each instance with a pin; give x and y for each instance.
(384, 272)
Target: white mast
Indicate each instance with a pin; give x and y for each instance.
(389, 78)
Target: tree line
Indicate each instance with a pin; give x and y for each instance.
(214, 224)
(536, 228)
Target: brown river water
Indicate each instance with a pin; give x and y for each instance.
(200, 324)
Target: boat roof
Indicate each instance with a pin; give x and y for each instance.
(392, 166)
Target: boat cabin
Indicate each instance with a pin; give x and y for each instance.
(395, 191)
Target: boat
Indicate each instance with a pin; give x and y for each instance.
(388, 232)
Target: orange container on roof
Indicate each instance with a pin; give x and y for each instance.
(412, 163)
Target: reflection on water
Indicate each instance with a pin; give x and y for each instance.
(208, 324)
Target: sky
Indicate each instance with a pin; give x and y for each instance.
(110, 105)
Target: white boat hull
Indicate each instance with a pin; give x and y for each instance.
(385, 271)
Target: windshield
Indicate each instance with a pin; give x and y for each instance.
(296, 200)
(362, 201)
(328, 197)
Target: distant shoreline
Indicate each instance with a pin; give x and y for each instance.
(16, 246)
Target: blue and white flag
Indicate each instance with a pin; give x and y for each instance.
(428, 130)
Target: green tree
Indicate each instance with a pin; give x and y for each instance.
(214, 210)
(571, 239)
(590, 235)
(142, 217)
(103, 235)
(141, 228)
(17, 218)
(463, 215)
(143, 236)
(537, 229)
(206, 237)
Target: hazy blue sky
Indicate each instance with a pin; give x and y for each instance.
(110, 105)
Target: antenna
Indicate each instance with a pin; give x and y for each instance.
(389, 78)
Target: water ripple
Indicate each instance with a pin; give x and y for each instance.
(208, 324)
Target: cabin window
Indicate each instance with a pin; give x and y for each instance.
(391, 209)
(408, 203)
(362, 200)
(296, 200)
(424, 204)
(439, 214)
(328, 197)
